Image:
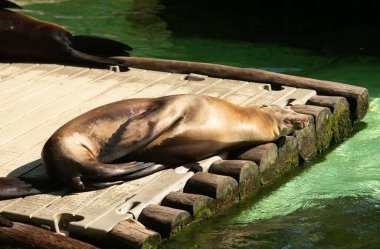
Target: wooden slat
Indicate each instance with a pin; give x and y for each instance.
(272, 97)
(12, 87)
(107, 203)
(248, 93)
(13, 69)
(24, 209)
(224, 88)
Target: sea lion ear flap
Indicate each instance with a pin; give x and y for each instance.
(138, 132)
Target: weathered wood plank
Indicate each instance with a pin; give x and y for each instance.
(151, 193)
(69, 204)
(24, 209)
(59, 105)
(28, 236)
(17, 87)
(248, 93)
(273, 97)
(223, 88)
(31, 103)
(107, 203)
(357, 96)
(194, 84)
(10, 70)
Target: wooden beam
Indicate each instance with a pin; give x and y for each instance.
(199, 206)
(265, 156)
(357, 96)
(222, 188)
(245, 172)
(323, 123)
(164, 220)
(134, 235)
(342, 123)
(28, 236)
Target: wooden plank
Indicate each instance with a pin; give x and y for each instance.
(248, 93)
(107, 203)
(3, 65)
(56, 107)
(150, 193)
(298, 97)
(167, 85)
(68, 204)
(21, 152)
(33, 102)
(271, 97)
(5, 203)
(224, 88)
(24, 209)
(15, 68)
(11, 87)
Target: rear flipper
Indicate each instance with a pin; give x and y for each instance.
(100, 46)
(99, 173)
(98, 49)
(11, 187)
(153, 168)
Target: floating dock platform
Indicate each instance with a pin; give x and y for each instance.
(36, 99)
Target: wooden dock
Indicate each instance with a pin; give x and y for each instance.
(36, 99)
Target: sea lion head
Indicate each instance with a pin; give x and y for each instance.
(286, 119)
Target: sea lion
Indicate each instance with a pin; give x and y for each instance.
(102, 144)
(26, 38)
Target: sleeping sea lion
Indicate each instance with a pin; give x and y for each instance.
(26, 38)
(104, 144)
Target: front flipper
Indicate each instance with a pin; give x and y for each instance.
(140, 130)
(11, 187)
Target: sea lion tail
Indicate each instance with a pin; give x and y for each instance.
(5, 4)
(96, 59)
(100, 46)
(98, 49)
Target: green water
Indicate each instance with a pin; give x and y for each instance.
(333, 204)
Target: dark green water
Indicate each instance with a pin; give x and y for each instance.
(333, 204)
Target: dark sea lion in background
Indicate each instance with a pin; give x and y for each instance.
(103, 144)
(26, 38)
